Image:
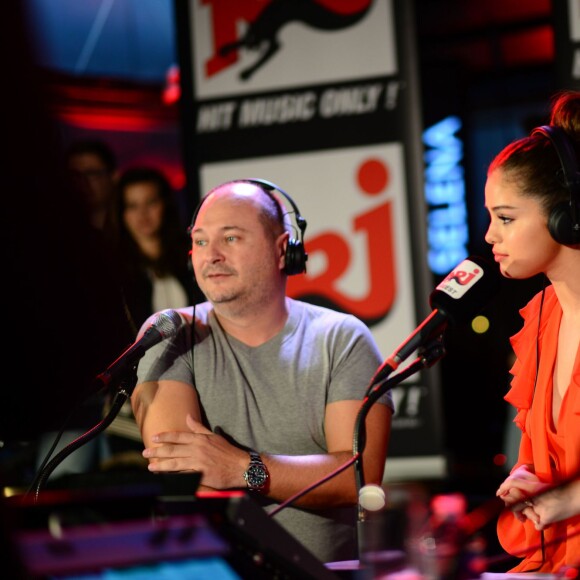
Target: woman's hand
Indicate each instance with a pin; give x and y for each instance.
(556, 504)
(517, 492)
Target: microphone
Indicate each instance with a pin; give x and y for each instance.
(457, 299)
(166, 323)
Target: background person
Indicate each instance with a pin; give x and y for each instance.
(153, 244)
(92, 167)
(262, 373)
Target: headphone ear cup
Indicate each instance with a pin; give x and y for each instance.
(563, 219)
(295, 258)
(561, 226)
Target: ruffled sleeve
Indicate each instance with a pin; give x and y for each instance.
(512, 534)
(524, 346)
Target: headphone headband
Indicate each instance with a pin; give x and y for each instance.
(271, 188)
(565, 151)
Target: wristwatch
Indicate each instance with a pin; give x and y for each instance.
(256, 475)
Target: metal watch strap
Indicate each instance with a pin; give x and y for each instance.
(256, 475)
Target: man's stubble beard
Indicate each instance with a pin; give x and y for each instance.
(242, 301)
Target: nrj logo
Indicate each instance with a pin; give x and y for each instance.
(376, 227)
(461, 279)
(264, 21)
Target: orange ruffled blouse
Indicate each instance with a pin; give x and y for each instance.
(554, 452)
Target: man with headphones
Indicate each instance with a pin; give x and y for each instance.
(259, 391)
(533, 197)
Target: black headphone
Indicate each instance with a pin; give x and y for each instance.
(296, 256)
(563, 221)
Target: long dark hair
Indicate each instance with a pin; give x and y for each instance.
(533, 161)
(174, 241)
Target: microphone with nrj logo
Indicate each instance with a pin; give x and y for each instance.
(464, 292)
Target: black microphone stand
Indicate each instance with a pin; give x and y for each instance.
(127, 383)
(427, 357)
(431, 353)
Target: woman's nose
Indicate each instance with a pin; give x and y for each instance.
(489, 235)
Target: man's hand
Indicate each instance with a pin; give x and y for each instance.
(221, 464)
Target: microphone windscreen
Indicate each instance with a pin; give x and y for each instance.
(371, 497)
(168, 322)
(466, 290)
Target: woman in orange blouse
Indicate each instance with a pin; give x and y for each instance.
(533, 197)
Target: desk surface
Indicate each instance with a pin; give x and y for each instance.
(516, 576)
(353, 568)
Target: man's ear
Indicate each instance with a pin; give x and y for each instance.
(282, 242)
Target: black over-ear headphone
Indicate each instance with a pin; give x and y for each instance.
(296, 256)
(563, 221)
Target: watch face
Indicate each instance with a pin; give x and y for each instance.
(256, 476)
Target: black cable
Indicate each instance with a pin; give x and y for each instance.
(193, 346)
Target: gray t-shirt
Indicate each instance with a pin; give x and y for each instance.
(272, 397)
